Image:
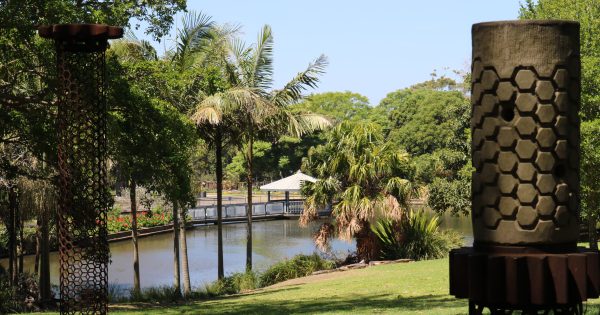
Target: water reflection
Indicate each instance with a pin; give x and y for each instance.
(461, 224)
(272, 240)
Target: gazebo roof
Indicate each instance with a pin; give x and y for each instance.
(290, 183)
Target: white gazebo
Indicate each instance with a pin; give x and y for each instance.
(287, 184)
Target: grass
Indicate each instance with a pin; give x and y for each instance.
(412, 288)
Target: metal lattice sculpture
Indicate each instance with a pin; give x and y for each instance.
(84, 196)
(525, 150)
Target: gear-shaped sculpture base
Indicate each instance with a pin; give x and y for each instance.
(577, 309)
(524, 278)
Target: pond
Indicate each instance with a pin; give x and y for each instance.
(272, 241)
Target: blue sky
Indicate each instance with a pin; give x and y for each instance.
(374, 47)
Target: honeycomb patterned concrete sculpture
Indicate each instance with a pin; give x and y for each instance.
(525, 150)
(525, 133)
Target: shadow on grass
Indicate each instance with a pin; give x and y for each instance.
(192, 302)
(362, 304)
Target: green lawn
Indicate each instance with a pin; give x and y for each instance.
(413, 288)
(409, 288)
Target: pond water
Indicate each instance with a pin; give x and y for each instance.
(272, 241)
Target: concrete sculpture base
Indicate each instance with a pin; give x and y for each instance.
(525, 98)
(524, 278)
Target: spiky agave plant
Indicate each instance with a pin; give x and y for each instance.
(418, 237)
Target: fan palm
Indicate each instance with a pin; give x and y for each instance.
(257, 110)
(363, 178)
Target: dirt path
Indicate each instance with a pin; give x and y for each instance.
(312, 279)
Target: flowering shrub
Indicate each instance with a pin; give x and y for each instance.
(123, 223)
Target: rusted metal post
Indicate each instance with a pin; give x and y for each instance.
(525, 188)
(84, 195)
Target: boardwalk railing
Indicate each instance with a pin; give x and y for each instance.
(238, 210)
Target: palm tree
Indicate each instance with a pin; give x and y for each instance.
(257, 109)
(197, 29)
(363, 177)
(213, 116)
(213, 119)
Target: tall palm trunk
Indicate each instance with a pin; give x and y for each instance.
(134, 237)
(249, 209)
(176, 272)
(187, 288)
(44, 272)
(219, 171)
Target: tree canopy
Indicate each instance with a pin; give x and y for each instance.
(587, 13)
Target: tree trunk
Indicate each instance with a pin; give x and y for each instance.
(21, 242)
(45, 288)
(176, 272)
(219, 170)
(134, 237)
(187, 288)
(367, 246)
(593, 235)
(249, 208)
(38, 244)
(12, 236)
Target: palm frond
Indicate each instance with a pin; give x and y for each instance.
(196, 29)
(131, 48)
(312, 122)
(209, 111)
(309, 78)
(261, 71)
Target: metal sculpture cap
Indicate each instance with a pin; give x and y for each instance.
(80, 31)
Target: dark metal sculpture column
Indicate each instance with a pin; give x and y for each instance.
(525, 150)
(84, 195)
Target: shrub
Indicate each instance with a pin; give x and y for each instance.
(161, 294)
(115, 293)
(418, 237)
(19, 298)
(298, 266)
(123, 223)
(232, 284)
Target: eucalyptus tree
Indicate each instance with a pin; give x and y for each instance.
(132, 135)
(152, 136)
(172, 180)
(363, 178)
